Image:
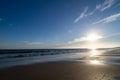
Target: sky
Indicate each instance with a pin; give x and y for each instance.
(36, 24)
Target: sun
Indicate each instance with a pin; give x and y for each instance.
(93, 37)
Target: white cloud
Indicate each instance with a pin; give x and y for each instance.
(1, 19)
(77, 40)
(115, 34)
(91, 13)
(86, 38)
(31, 43)
(99, 7)
(109, 19)
(82, 15)
(107, 4)
(90, 37)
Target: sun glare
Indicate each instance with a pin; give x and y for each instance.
(95, 62)
(93, 37)
(94, 52)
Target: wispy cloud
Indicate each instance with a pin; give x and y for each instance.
(85, 38)
(1, 19)
(82, 15)
(115, 34)
(91, 13)
(107, 4)
(77, 40)
(31, 43)
(99, 7)
(103, 6)
(109, 19)
(81, 39)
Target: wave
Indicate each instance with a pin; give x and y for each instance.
(36, 52)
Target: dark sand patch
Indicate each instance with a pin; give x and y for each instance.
(61, 71)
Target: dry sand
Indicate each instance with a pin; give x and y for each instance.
(61, 71)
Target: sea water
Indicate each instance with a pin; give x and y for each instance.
(9, 58)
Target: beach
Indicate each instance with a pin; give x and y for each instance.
(60, 40)
(61, 70)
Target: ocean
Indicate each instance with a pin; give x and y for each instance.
(10, 58)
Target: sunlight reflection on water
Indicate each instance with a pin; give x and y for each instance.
(95, 62)
(94, 52)
(92, 58)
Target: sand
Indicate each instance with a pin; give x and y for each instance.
(61, 71)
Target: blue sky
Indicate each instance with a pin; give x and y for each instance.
(59, 23)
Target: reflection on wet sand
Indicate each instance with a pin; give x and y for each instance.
(94, 52)
(95, 62)
(102, 57)
(94, 58)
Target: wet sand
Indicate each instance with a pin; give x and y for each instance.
(61, 71)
